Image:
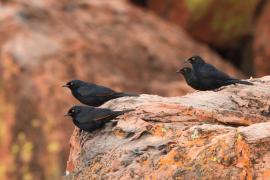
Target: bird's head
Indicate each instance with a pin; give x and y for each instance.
(74, 111)
(195, 60)
(185, 70)
(73, 84)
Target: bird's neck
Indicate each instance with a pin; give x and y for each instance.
(190, 77)
(197, 65)
(74, 92)
(74, 121)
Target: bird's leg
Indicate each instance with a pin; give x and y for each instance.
(219, 89)
(85, 137)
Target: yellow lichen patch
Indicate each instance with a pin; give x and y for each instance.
(159, 130)
(27, 176)
(3, 130)
(15, 149)
(243, 158)
(198, 6)
(3, 170)
(26, 152)
(53, 147)
(21, 136)
(35, 123)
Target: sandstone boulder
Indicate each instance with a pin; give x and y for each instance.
(46, 43)
(219, 23)
(261, 46)
(203, 135)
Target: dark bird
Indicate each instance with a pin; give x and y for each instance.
(89, 118)
(209, 76)
(191, 79)
(92, 94)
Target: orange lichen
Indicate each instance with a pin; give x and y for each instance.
(266, 174)
(170, 159)
(119, 133)
(243, 158)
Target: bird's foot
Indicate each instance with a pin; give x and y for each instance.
(219, 89)
(84, 137)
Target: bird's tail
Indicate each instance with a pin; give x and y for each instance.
(237, 81)
(127, 94)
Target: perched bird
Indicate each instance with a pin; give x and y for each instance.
(209, 76)
(191, 79)
(92, 94)
(89, 118)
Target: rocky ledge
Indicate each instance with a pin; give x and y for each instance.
(213, 135)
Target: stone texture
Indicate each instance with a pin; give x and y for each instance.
(261, 46)
(203, 135)
(46, 43)
(219, 23)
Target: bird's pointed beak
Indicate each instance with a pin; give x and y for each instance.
(65, 85)
(187, 61)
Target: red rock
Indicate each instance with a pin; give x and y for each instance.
(261, 46)
(46, 43)
(219, 23)
(176, 11)
(211, 135)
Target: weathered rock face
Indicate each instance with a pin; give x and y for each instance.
(261, 44)
(226, 25)
(45, 43)
(219, 23)
(213, 135)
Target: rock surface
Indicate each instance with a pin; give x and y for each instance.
(228, 26)
(46, 43)
(261, 46)
(219, 23)
(212, 135)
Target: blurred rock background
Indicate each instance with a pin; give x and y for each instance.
(129, 45)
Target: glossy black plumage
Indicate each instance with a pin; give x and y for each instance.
(89, 118)
(191, 79)
(210, 77)
(92, 94)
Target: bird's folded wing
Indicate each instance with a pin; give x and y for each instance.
(102, 91)
(105, 94)
(100, 118)
(209, 71)
(101, 114)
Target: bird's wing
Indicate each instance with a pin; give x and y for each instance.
(96, 114)
(102, 114)
(209, 71)
(95, 91)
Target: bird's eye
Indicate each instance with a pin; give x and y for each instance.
(193, 59)
(72, 110)
(71, 83)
